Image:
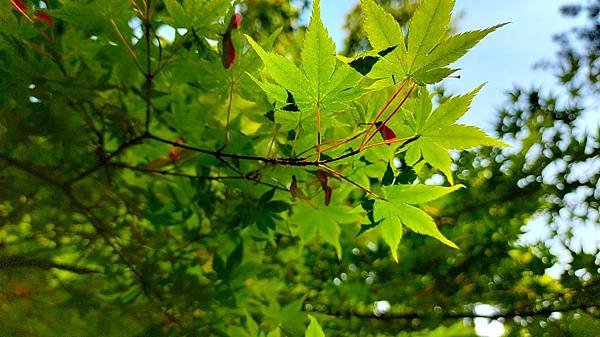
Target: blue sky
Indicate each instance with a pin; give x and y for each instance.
(503, 60)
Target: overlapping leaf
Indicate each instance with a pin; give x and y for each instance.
(439, 132)
(427, 53)
(324, 85)
(196, 13)
(398, 211)
(324, 222)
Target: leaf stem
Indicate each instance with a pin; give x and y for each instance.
(318, 132)
(385, 107)
(383, 124)
(341, 176)
(192, 176)
(127, 46)
(149, 74)
(406, 141)
(229, 111)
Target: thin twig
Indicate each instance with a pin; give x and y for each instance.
(273, 138)
(383, 124)
(318, 132)
(229, 111)
(453, 315)
(126, 45)
(341, 176)
(149, 74)
(192, 176)
(23, 262)
(405, 141)
(102, 163)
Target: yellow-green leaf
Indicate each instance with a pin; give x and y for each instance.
(390, 226)
(314, 329)
(417, 194)
(439, 158)
(383, 31)
(427, 27)
(451, 110)
(461, 137)
(420, 222)
(318, 54)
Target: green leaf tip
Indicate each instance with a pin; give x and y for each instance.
(314, 328)
(383, 31)
(427, 53)
(399, 211)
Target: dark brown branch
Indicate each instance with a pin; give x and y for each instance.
(277, 161)
(355, 152)
(302, 162)
(107, 159)
(172, 173)
(453, 315)
(23, 262)
(149, 74)
(31, 169)
(191, 176)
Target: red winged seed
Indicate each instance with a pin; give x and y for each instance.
(294, 187)
(44, 17)
(229, 53)
(19, 5)
(385, 131)
(236, 21)
(322, 176)
(328, 191)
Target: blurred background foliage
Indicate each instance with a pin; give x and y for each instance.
(146, 255)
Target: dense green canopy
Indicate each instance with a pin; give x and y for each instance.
(169, 170)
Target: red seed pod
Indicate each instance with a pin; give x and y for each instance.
(294, 187)
(236, 21)
(385, 131)
(322, 176)
(174, 154)
(229, 53)
(19, 5)
(44, 17)
(328, 191)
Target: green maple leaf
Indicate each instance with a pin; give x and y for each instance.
(439, 132)
(196, 13)
(324, 222)
(323, 86)
(426, 54)
(398, 211)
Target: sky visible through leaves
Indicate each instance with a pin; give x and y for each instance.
(523, 43)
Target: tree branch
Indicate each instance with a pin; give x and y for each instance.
(192, 176)
(31, 169)
(453, 315)
(148, 73)
(107, 159)
(22, 262)
(302, 162)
